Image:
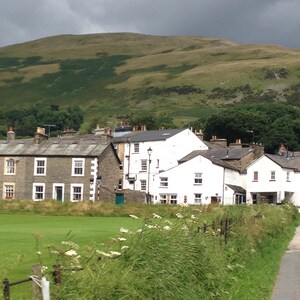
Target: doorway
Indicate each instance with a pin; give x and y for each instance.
(58, 192)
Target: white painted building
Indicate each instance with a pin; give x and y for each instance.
(147, 153)
(198, 180)
(272, 179)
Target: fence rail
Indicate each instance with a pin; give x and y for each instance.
(223, 227)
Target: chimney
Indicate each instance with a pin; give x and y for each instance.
(199, 134)
(144, 127)
(221, 142)
(259, 149)
(282, 150)
(10, 135)
(237, 144)
(106, 137)
(40, 135)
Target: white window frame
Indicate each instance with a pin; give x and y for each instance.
(273, 176)
(198, 198)
(162, 198)
(136, 148)
(35, 191)
(143, 185)
(164, 182)
(173, 199)
(144, 165)
(7, 167)
(75, 185)
(198, 179)
(38, 168)
(6, 191)
(75, 161)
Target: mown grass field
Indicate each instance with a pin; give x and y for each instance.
(18, 246)
(109, 75)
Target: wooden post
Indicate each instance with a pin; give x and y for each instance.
(6, 292)
(36, 290)
(57, 274)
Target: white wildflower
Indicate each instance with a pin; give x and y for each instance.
(168, 222)
(121, 239)
(184, 227)
(103, 253)
(193, 217)
(70, 244)
(39, 253)
(44, 269)
(167, 228)
(156, 216)
(114, 254)
(149, 226)
(54, 252)
(139, 230)
(71, 253)
(124, 230)
(133, 217)
(179, 215)
(229, 267)
(124, 247)
(219, 230)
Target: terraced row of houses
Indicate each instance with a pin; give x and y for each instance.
(167, 166)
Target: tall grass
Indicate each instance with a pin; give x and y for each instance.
(168, 258)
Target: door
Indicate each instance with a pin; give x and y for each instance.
(214, 200)
(58, 192)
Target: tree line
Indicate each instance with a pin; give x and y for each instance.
(25, 121)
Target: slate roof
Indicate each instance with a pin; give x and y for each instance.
(228, 153)
(205, 154)
(77, 145)
(237, 189)
(148, 135)
(289, 162)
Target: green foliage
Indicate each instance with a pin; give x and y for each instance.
(26, 121)
(270, 125)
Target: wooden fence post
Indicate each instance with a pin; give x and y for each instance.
(6, 292)
(36, 290)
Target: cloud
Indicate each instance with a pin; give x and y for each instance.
(255, 21)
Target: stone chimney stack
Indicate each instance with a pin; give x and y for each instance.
(259, 149)
(40, 135)
(237, 144)
(10, 135)
(221, 142)
(199, 134)
(106, 137)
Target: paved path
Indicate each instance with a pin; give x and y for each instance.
(287, 286)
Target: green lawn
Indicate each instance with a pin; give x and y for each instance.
(17, 238)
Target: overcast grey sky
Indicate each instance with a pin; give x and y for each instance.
(242, 21)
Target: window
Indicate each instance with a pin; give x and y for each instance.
(197, 198)
(8, 190)
(164, 182)
(173, 199)
(157, 163)
(143, 164)
(38, 193)
(288, 176)
(76, 192)
(198, 178)
(136, 148)
(78, 167)
(163, 199)
(143, 185)
(40, 166)
(9, 166)
(255, 176)
(273, 176)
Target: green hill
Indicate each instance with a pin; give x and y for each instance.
(112, 75)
